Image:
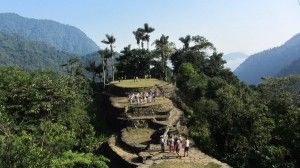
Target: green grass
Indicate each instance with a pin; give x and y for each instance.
(130, 83)
(137, 135)
(178, 164)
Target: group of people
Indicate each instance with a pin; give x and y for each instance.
(142, 97)
(175, 144)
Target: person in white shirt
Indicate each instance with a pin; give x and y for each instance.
(186, 147)
(138, 98)
(162, 143)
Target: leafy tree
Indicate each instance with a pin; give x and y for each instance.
(241, 125)
(201, 43)
(92, 67)
(134, 63)
(84, 160)
(43, 115)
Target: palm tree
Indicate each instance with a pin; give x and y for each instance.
(139, 37)
(165, 48)
(110, 40)
(147, 30)
(186, 41)
(104, 54)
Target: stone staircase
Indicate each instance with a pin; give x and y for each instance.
(137, 145)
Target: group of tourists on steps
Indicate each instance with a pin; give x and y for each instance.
(142, 97)
(175, 144)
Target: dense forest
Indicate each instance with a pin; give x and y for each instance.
(50, 120)
(47, 120)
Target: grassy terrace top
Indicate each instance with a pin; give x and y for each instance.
(182, 164)
(140, 83)
(136, 136)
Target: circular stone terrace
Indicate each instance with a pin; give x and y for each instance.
(140, 83)
(137, 137)
(136, 143)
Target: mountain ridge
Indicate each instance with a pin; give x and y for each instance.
(270, 62)
(62, 36)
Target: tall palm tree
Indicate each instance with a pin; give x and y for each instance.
(186, 41)
(165, 48)
(138, 34)
(110, 40)
(104, 54)
(147, 30)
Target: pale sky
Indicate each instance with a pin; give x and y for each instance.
(245, 26)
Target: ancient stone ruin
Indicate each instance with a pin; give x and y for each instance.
(141, 125)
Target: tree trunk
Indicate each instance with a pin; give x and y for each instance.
(164, 66)
(113, 72)
(147, 45)
(103, 72)
(94, 76)
(166, 73)
(111, 50)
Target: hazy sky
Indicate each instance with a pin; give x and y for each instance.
(232, 25)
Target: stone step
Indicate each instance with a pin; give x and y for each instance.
(129, 117)
(195, 157)
(160, 105)
(162, 112)
(131, 158)
(173, 119)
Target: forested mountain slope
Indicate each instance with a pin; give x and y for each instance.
(292, 69)
(63, 37)
(269, 62)
(18, 51)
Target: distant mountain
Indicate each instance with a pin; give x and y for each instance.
(269, 62)
(234, 59)
(96, 57)
(62, 37)
(33, 55)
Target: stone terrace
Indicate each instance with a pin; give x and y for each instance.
(138, 143)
